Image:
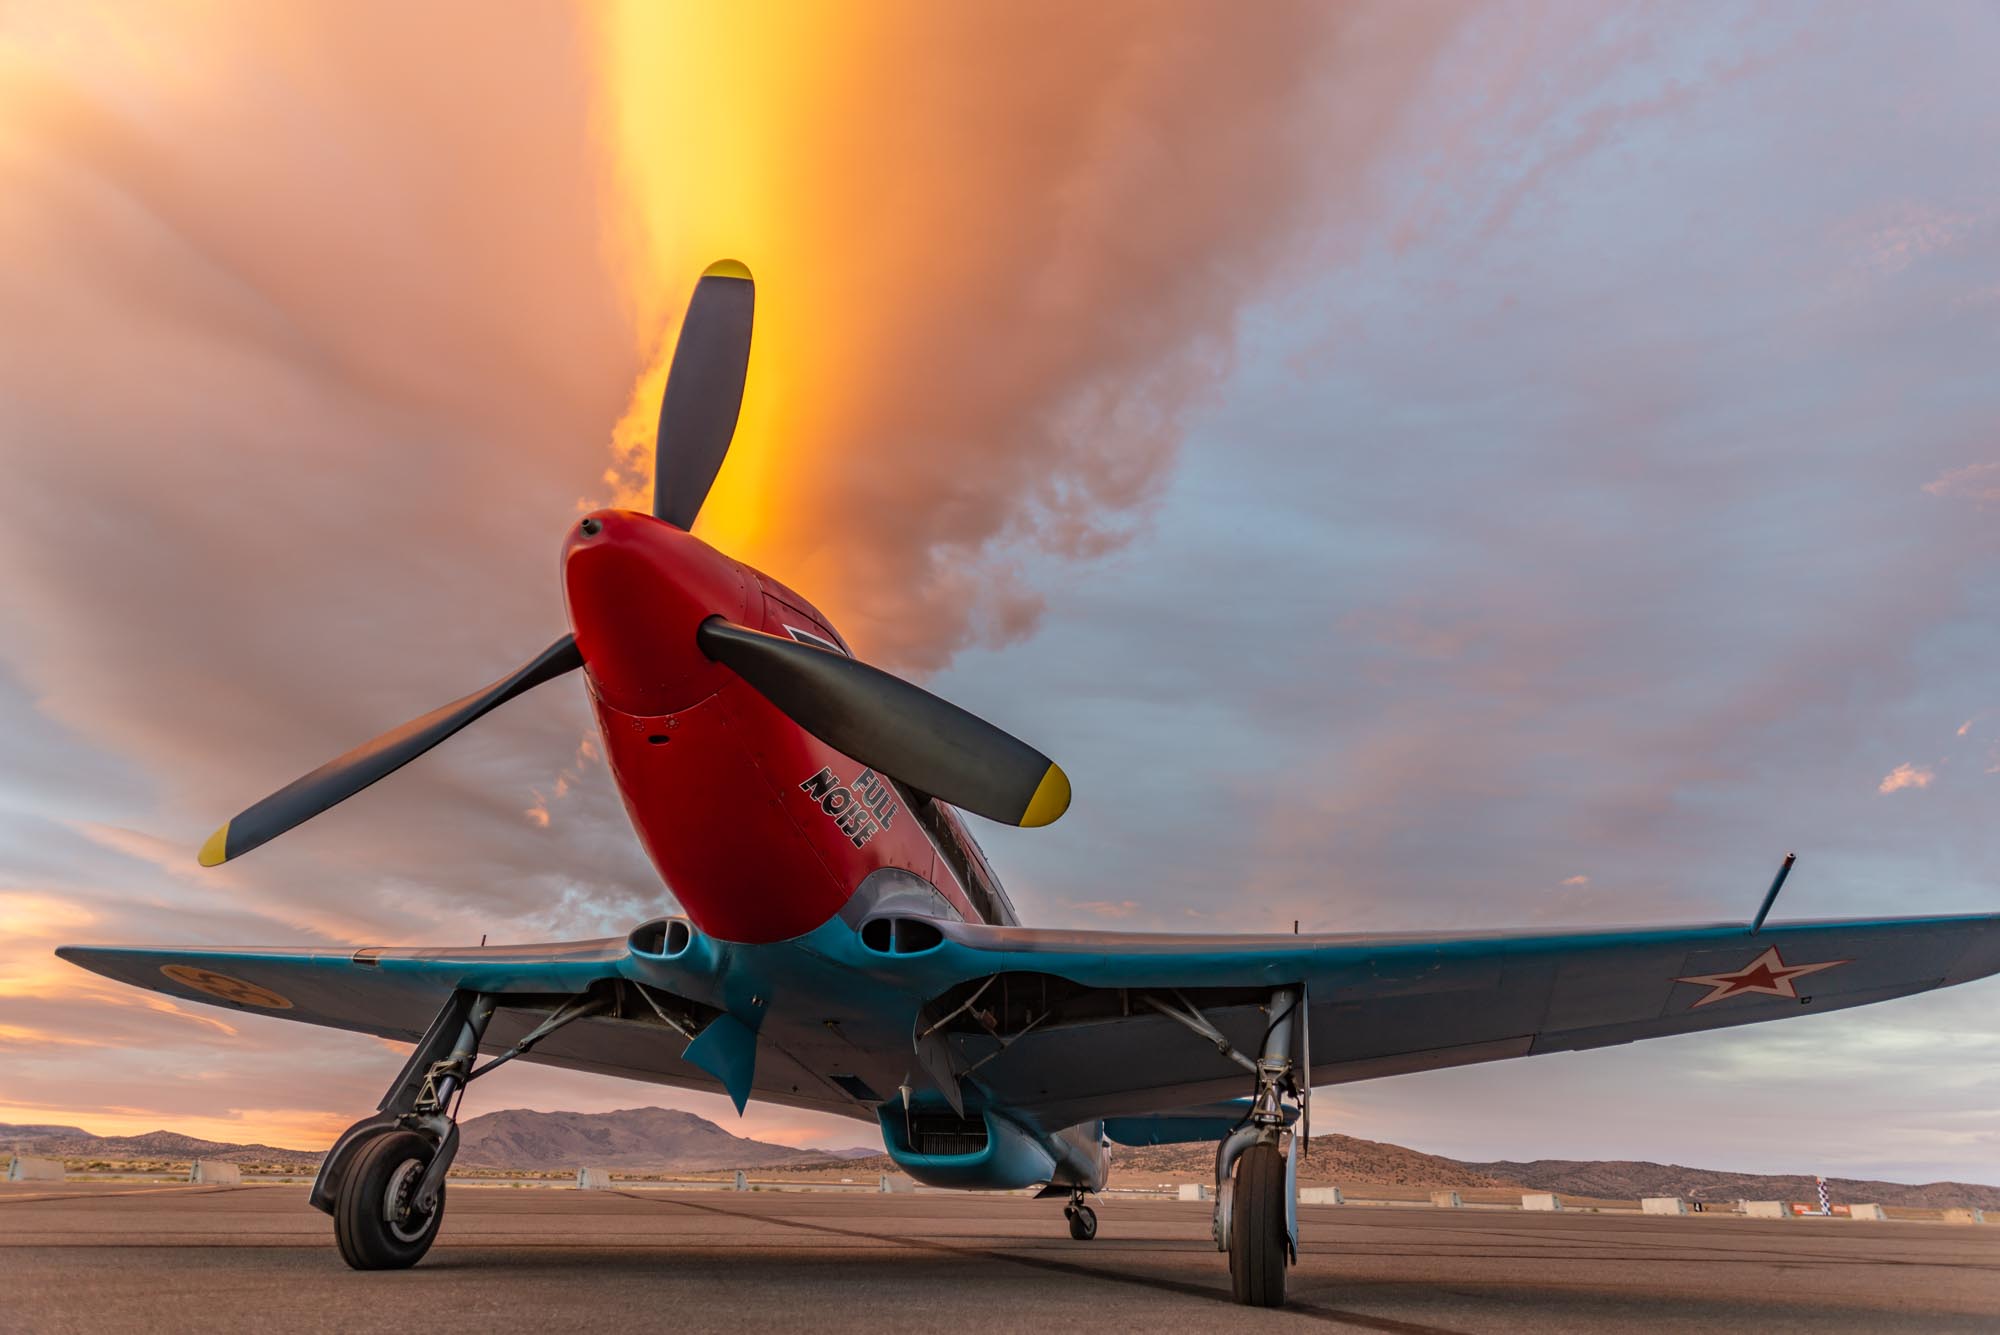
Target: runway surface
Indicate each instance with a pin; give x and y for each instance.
(101, 1256)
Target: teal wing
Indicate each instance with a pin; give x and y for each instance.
(394, 993)
(1063, 1027)
(390, 993)
(1067, 1031)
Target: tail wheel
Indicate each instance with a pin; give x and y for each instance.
(1257, 1243)
(375, 1216)
(1082, 1222)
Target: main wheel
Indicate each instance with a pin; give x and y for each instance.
(1257, 1243)
(1082, 1222)
(375, 1217)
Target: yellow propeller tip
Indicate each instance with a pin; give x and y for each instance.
(728, 269)
(1051, 799)
(216, 851)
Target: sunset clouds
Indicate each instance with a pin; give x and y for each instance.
(1905, 776)
(1414, 467)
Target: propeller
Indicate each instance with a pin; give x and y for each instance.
(877, 718)
(340, 779)
(890, 725)
(704, 391)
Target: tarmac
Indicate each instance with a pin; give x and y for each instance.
(99, 1256)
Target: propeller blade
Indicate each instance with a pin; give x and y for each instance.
(338, 780)
(704, 391)
(892, 726)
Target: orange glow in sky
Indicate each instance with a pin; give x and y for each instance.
(709, 162)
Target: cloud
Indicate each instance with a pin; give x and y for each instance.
(1104, 908)
(995, 283)
(17, 1035)
(311, 342)
(1594, 541)
(1973, 482)
(1906, 776)
(1911, 232)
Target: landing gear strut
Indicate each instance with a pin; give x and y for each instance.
(383, 1180)
(1082, 1219)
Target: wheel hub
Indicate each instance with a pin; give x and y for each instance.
(399, 1202)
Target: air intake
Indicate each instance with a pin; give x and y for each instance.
(900, 936)
(662, 938)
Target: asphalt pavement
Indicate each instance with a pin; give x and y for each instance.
(91, 1257)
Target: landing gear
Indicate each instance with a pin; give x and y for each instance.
(377, 1219)
(1256, 1214)
(383, 1180)
(1082, 1219)
(1259, 1241)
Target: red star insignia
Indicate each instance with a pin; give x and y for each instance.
(1767, 974)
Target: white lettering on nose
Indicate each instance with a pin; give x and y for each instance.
(859, 809)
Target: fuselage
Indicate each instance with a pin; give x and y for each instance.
(765, 834)
(762, 831)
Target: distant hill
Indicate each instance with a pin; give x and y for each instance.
(632, 1140)
(664, 1140)
(72, 1142)
(1333, 1160)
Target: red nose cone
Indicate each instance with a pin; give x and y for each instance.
(637, 589)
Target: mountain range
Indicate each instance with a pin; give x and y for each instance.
(665, 1140)
(1344, 1160)
(635, 1140)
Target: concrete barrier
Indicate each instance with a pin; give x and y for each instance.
(1663, 1205)
(894, 1184)
(1866, 1212)
(1321, 1196)
(1196, 1191)
(742, 1180)
(215, 1173)
(1965, 1216)
(1446, 1200)
(1544, 1200)
(34, 1170)
(1767, 1209)
(593, 1179)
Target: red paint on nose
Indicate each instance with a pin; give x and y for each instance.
(637, 590)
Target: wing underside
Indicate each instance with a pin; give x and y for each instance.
(394, 994)
(1074, 1035)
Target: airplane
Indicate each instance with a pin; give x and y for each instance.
(844, 945)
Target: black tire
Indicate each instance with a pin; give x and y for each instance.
(1082, 1222)
(1258, 1250)
(388, 1164)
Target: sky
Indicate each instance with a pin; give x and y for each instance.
(1415, 467)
